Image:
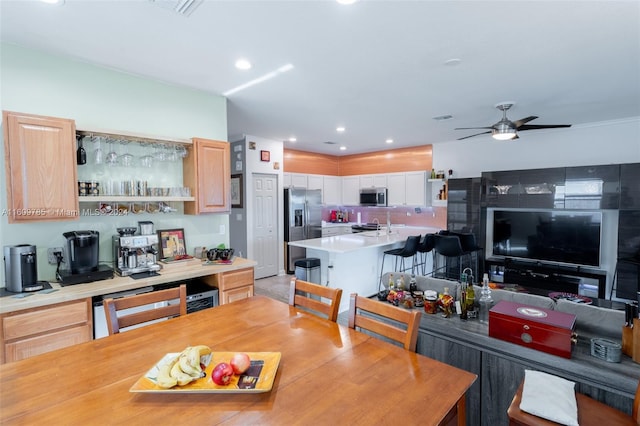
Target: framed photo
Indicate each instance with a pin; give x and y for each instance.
(236, 191)
(265, 156)
(171, 243)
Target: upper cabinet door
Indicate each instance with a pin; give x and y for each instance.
(592, 187)
(543, 188)
(501, 189)
(630, 186)
(207, 172)
(40, 168)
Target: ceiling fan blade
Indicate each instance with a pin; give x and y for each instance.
(470, 136)
(472, 128)
(525, 120)
(542, 126)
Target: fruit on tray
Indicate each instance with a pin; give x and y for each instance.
(184, 368)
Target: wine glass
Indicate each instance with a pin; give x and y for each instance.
(126, 159)
(112, 156)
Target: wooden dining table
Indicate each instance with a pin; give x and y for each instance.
(327, 374)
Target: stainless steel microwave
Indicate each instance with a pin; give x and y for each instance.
(373, 196)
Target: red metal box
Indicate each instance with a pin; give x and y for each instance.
(536, 328)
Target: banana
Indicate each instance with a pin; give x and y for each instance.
(164, 379)
(190, 363)
(203, 350)
(181, 377)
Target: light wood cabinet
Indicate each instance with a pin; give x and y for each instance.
(206, 171)
(35, 331)
(40, 167)
(232, 285)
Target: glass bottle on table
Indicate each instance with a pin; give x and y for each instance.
(392, 284)
(486, 302)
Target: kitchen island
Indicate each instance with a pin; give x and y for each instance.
(352, 261)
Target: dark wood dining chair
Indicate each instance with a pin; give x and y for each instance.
(316, 298)
(117, 322)
(590, 412)
(365, 313)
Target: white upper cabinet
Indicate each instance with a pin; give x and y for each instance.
(350, 190)
(298, 180)
(286, 180)
(396, 189)
(373, 181)
(332, 191)
(315, 182)
(416, 184)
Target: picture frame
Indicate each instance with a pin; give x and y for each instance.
(171, 243)
(237, 195)
(265, 156)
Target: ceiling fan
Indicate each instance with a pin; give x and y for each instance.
(506, 129)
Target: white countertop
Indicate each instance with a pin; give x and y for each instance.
(351, 242)
(10, 303)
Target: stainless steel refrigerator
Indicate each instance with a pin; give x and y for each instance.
(302, 221)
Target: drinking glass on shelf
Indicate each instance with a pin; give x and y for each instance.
(112, 156)
(98, 155)
(170, 153)
(126, 159)
(181, 151)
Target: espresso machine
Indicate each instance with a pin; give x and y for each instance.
(134, 254)
(81, 257)
(21, 269)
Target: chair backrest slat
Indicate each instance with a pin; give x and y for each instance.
(116, 322)
(407, 336)
(301, 294)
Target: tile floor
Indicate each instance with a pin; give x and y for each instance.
(277, 287)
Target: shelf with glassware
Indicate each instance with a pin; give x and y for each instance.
(142, 171)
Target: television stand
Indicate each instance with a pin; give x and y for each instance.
(546, 278)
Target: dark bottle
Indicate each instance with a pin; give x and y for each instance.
(81, 155)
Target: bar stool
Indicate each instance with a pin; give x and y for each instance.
(448, 246)
(469, 247)
(409, 250)
(426, 245)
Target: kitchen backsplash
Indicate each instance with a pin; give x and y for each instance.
(411, 216)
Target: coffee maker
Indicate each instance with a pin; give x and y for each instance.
(134, 254)
(81, 257)
(21, 269)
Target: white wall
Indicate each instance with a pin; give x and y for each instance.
(97, 98)
(610, 142)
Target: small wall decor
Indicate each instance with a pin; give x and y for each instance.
(276, 165)
(236, 191)
(252, 145)
(265, 156)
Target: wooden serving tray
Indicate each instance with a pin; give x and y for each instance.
(259, 378)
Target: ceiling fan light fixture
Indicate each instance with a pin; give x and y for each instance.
(503, 132)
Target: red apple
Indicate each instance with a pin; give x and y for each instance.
(240, 363)
(222, 374)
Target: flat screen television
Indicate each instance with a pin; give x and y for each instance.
(565, 237)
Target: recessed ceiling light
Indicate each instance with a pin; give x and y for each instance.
(346, 1)
(340, 129)
(343, 148)
(243, 64)
(443, 117)
(452, 62)
(53, 1)
(389, 141)
(292, 139)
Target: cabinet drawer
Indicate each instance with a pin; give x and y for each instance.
(234, 279)
(237, 294)
(46, 319)
(45, 343)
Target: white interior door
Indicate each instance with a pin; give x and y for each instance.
(265, 224)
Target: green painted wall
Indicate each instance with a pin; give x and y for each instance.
(99, 98)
